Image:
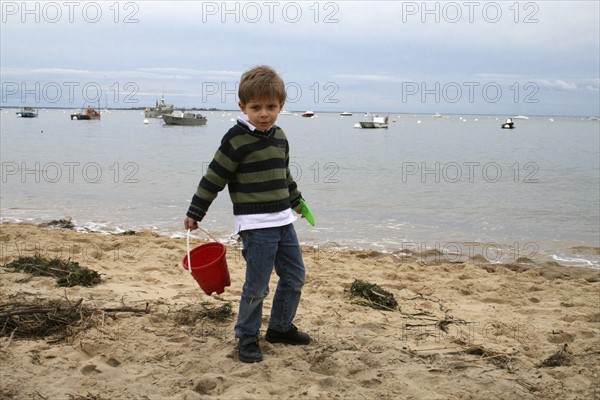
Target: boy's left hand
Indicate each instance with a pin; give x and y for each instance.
(298, 209)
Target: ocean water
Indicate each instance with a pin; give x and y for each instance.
(458, 184)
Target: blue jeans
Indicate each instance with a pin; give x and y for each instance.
(264, 249)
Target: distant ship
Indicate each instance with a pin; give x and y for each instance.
(159, 110)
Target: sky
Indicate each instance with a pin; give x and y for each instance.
(452, 57)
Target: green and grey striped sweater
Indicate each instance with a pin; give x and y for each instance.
(254, 166)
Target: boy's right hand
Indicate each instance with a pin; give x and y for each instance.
(190, 223)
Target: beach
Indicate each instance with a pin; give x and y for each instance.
(467, 330)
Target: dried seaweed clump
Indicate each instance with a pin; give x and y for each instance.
(191, 314)
(66, 272)
(376, 297)
(500, 360)
(89, 396)
(562, 357)
(53, 318)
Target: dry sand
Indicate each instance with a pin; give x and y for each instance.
(462, 330)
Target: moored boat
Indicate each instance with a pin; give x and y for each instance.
(159, 109)
(88, 114)
(27, 112)
(187, 119)
(308, 114)
(374, 121)
(509, 124)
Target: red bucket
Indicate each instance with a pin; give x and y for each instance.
(209, 267)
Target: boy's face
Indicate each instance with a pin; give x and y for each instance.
(262, 113)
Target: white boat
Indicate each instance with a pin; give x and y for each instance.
(374, 121)
(346, 114)
(520, 117)
(286, 112)
(187, 118)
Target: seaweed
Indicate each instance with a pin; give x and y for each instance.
(89, 396)
(66, 272)
(562, 357)
(59, 223)
(54, 318)
(58, 319)
(500, 360)
(376, 297)
(191, 314)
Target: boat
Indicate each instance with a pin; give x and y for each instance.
(509, 124)
(159, 109)
(374, 121)
(346, 114)
(521, 117)
(285, 112)
(89, 113)
(27, 112)
(437, 115)
(187, 118)
(308, 114)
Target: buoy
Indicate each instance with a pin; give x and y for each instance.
(146, 121)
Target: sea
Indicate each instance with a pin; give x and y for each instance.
(455, 184)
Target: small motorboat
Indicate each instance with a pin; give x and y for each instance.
(27, 112)
(346, 114)
(509, 124)
(187, 119)
(374, 121)
(308, 114)
(88, 114)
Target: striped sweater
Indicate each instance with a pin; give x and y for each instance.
(254, 166)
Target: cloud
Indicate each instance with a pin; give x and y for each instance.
(370, 78)
(367, 48)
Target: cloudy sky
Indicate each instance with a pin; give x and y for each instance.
(468, 57)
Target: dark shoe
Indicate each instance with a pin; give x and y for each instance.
(249, 351)
(292, 336)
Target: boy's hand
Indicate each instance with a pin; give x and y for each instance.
(190, 223)
(298, 209)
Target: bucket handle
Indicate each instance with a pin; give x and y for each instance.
(189, 263)
(189, 259)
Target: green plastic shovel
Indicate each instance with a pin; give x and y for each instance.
(305, 211)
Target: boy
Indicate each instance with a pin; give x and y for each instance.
(253, 161)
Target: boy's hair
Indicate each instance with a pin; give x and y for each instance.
(260, 83)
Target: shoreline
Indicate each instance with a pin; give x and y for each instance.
(460, 329)
(573, 256)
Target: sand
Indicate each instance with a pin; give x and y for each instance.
(462, 330)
